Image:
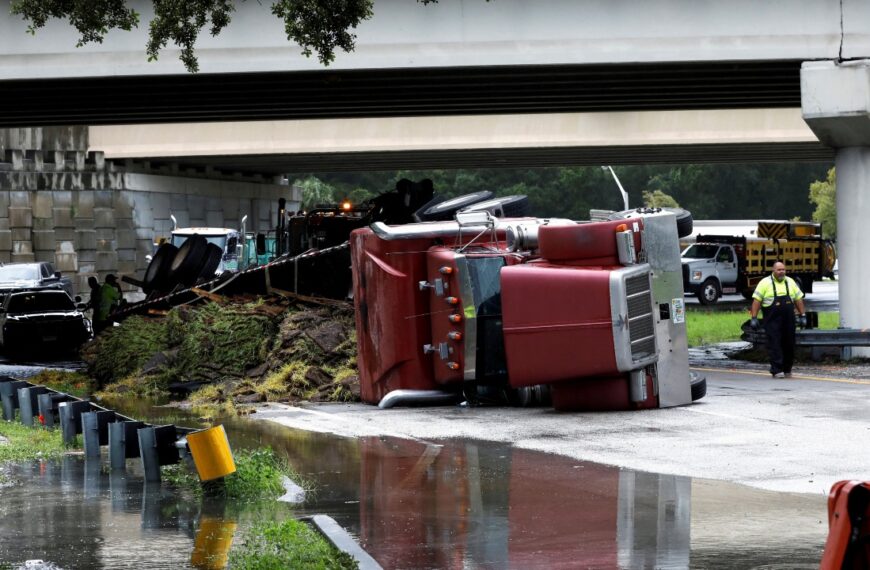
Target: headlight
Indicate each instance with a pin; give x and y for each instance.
(696, 275)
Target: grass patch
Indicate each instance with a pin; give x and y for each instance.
(259, 476)
(287, 544)
(27, 443)
(75, 383)
(706, 327)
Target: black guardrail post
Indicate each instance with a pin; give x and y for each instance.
(47, 404)
(71, 419)
(95, 430)
(9, 397)
(27, 402)
(123, 442)
(156, 448)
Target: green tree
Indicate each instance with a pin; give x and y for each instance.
(317, 26)
(315, 192)
(823, 193)
(658, 199)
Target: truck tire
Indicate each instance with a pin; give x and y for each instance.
(447, 209)
(213, 257)
(747, 293)
(709, 292)
(505, 207)
(698, 385)
(685, 224)
(158, 269)
(530, 396)
(188, 261)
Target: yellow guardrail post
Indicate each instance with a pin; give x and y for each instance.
(211, 453)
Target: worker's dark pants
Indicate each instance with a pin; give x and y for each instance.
(779, 326)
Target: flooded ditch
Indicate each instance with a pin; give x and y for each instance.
(413, 504)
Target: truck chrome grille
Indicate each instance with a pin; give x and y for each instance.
(641, 325)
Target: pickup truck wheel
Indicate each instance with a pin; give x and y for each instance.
(709, 292)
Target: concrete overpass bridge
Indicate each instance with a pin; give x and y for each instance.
(466, 82)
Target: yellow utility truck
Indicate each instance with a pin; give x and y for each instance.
(718, 264)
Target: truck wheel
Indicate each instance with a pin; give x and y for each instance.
(698, 384)
(155, 274)
(709, 292)
(213, 257)
(188, 261)
(685, 224)
(747, 294)
(530, 396)
(504, 207)
(447, 209)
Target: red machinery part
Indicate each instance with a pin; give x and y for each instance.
(446, 316)
(592, 243)
(392, 314)
(601, 394)
(557, 323)
(848, 544)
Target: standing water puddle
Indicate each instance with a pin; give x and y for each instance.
(411, 504)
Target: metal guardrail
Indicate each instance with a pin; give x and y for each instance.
(155, 445)
(811, 337)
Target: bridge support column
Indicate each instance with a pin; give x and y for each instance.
(835, 100)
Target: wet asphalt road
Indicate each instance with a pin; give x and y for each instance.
(793, 435)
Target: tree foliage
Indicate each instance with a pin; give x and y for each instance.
(823, 193)
(658, 199)
(710, 192)
(317, 26)
(315, 192)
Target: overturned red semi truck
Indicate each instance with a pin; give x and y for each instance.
(498, 310)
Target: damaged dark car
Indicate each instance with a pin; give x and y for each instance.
(41, 319)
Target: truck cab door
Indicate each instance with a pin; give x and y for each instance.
(726, 267)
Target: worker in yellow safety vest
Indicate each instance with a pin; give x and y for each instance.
(778, 296)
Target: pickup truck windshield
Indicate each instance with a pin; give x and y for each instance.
(19, 273)
(220, 241)
(42, 302)
(701, 251)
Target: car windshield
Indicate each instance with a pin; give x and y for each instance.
(19, 273)
(41, 302)
(701, 251)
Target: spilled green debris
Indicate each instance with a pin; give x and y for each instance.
(231, 355)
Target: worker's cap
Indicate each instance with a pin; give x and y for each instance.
(110, 278)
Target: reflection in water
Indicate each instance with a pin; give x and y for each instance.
(482, 505)
(414, 504)
(75, 515)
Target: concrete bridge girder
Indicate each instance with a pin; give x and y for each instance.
(835, 100)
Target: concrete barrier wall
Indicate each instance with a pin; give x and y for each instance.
(92, 217)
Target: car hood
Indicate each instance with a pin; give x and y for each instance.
(48, 315)
(20, 283)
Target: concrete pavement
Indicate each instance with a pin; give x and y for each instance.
(795, 435)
